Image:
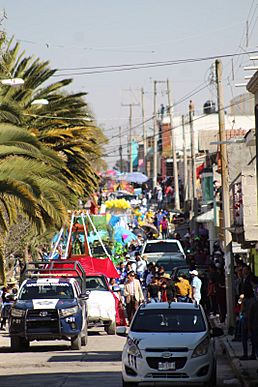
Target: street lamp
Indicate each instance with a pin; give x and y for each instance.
(14, 82)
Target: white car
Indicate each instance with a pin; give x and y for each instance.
(170, 343)
(156, 249)
(101, 304)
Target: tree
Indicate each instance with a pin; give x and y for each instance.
(66, 124)
(31, 183)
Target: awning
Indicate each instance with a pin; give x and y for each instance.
(206, 217)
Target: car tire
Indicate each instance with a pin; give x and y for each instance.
(76, 342)
(19, 344)
(85, 335)
(129, 384)
(110, 328)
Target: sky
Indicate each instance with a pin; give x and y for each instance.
(83, 33)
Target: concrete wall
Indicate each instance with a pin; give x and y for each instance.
(249, 192)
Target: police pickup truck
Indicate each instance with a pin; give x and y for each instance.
(50, 306)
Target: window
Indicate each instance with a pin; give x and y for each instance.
(169, 320)
(96, 283)
(34, 291)
(162, 247)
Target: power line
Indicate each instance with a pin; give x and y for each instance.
(178, 126)
(144, 65)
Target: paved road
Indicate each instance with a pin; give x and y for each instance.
(98, 365)
(54, 364)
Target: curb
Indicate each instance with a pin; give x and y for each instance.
(236, 365)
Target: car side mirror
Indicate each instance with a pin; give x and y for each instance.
(216, 332)
(121, 331)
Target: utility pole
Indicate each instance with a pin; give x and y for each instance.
(194, 204)
(229, 269)
(120, 149)
(185, 163)
(130, 134)
(144, 133)
(173, 151)
(155, 150)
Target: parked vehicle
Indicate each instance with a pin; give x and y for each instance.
(50, 307)
(162, 248)
(170, 343)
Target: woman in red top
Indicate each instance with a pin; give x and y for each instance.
(164, 227)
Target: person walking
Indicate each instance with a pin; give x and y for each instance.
(164, 227)
(141, 265)
(133, 295)
(196, 286)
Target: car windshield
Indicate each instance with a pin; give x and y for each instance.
(168, 320)
(96, 283)
(162, 247)
(45, 291)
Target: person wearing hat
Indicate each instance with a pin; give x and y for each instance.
(167, 289)
(133, 295)
(196, 286)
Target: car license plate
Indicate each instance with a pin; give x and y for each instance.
(167, 366)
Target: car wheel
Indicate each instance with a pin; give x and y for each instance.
(19, 344)
(76, 342)
(129, 384)
(85, 335)
(111, 328)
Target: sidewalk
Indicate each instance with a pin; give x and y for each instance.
(245, 370)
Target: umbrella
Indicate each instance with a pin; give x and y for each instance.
(134, 177)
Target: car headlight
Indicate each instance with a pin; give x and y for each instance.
(202, 348)
(68, 311)
(17, 312)
(132, 348)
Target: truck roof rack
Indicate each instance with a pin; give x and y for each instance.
(64, 269)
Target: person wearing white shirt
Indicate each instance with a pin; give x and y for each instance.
(196, 286)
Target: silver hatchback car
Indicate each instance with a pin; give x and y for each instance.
(170, 342)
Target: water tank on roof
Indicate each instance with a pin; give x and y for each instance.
(209, 107)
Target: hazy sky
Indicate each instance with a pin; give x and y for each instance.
(83, 33)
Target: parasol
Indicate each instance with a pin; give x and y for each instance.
(134, 177)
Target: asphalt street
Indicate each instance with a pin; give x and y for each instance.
(99, 364)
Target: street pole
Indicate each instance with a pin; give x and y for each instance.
(155, 150)
(194, 204)
(173, 151)
(144, 134)
(120, 149)
(229, 268)
(185, 163)
(130, 138)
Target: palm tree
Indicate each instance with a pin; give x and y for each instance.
(65, 125)
(31, 183)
